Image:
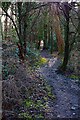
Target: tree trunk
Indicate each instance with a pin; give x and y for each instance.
(49, 40)
(20, 44)
(2, 30)
(45, 37)
(38, 44)
(51, 37)
(5, 28)
(51, 29)
(60, 41)
(66, 51)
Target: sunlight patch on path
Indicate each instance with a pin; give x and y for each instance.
(52, 62)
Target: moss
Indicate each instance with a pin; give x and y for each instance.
(32, 106)
(29, 103)
(51, 96)
(40, 62)
(26, 116)
(74, 77)
(43, 60)
(40, 117)
(48, 88)
(36, 108)
(49, 92)
(35, 105)
(45, 98)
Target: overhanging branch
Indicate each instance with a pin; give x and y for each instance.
(12, 21)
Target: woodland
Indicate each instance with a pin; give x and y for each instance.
(40, 60)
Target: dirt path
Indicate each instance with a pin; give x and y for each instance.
(66, 90)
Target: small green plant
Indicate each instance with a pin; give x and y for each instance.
(5, 71)
(49, 92)
(74, 77)
(43, 60)
(26, 116)
(32, 106)
(40, 117)
(40, 61)
(51, 96)
(36, 108)
(29, 103)
(8, 70)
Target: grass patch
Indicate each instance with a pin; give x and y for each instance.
(49, 92)
(41, 61)
(34, 110)
(74, 77)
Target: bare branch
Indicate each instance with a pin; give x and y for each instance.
(12, 21)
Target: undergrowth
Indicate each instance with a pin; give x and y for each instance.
(39, 93)
(36, 108)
